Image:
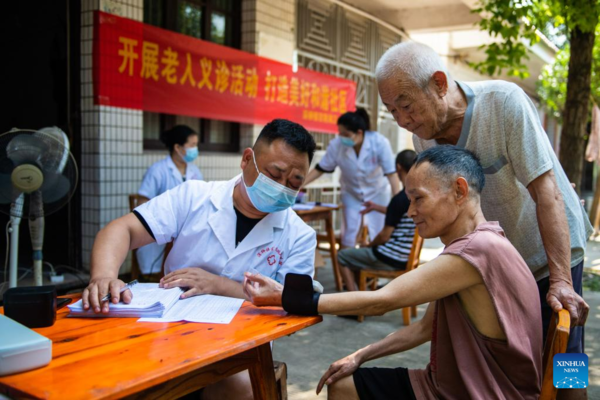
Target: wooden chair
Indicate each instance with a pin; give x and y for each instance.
(136, 273)
(556, 342)
(362, 237)
(281, 379)
(373, 274)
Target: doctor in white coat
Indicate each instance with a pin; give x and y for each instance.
(368, 171)
(173, 170)
(219, 231)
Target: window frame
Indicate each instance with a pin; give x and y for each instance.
(170, 12)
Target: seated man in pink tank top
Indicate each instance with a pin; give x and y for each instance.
(483, 317)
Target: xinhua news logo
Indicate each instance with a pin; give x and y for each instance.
(570, 371)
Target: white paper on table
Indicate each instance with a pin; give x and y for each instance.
(205, 308)
(148, 299)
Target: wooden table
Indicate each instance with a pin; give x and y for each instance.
(109, 358)
(319, 213)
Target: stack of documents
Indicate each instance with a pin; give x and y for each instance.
(153, 304)
(148, 301)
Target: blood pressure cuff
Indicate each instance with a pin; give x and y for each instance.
(298, 295)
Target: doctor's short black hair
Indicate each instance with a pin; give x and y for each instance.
(450, 162)
(292, 133)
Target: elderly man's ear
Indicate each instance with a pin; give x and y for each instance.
(461, 190)
(441, 83)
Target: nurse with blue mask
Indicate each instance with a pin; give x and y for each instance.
(368, 174)
(173, 170)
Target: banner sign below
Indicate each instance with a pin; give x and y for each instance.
(143, 67)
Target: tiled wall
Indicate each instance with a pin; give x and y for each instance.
(113, 160)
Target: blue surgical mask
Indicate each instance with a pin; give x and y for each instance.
(190, 154)
(346, 141)
(267, 195)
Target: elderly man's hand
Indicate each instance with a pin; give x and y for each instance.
(561, 295)
(196, 280)
(262, 291)
(338, 370)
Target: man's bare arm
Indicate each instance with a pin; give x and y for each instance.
(110, 249)
(383, 236)
(554, 229)
(399, 341)
(402, 340)
(439, 278)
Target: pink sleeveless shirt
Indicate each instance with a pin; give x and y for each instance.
(464, 364)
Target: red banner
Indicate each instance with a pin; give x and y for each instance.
(146, 68)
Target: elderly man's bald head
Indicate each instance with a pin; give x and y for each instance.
(410, 62)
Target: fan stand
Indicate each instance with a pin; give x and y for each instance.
(36, 229)
(16, 212)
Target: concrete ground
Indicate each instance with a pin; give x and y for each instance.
(309, 353)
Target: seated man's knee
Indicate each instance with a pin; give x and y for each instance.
(343, 389)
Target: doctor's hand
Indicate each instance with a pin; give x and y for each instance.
(339, 369)
(262, 291)
(98, 288)
(195, 280)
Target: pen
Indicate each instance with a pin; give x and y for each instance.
(124, 288)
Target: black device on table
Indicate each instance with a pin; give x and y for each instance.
(33, 306)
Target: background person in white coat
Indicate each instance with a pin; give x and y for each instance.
(173, 170)
(366, 160)
(220, 230)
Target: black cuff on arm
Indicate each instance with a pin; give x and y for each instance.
(320, 169)
(298, 295)
(143, 221)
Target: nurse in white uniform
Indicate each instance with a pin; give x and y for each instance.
(368, 171)
(219, 230)
(173, 170)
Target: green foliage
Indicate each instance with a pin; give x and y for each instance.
(552, 84)
(516, 23)
(591, 282)
(510, 22)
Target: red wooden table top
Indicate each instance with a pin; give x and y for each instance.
(114, 357)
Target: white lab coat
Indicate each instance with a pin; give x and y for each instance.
(363, 179)
(200, 220)
(160, 177)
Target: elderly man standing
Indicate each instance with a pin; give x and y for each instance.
(526, 190)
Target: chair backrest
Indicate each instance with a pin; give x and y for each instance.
(415, 252)
(362, 236)
(556, 342)
(134, 201)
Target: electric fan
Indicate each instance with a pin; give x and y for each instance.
(38, 176)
